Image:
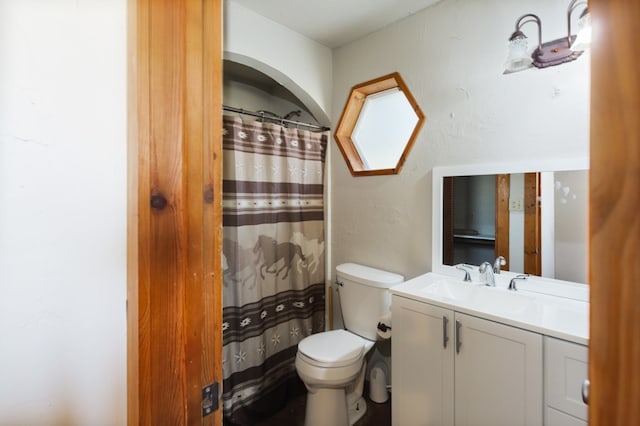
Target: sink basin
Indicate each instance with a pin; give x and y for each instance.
(480, 297)
(450, 290)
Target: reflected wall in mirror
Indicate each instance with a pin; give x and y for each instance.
(378, 126)
(536, 220)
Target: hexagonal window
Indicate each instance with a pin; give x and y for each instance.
(378, 126)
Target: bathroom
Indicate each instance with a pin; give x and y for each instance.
(454, 80)
(457, 79)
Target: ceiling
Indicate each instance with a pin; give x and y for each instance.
(335, 23)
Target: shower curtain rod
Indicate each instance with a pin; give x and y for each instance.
(278, 119)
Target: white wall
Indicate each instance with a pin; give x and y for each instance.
(571, 227)
(298, 63)
(451, 56)
(62, 212)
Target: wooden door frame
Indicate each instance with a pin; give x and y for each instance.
(174, 237)
(613, 224)
(614, 219)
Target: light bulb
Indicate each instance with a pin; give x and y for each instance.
(583, 39)
(517, 59)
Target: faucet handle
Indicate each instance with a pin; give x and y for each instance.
(487, 271)
(500, 261)
(512, 283)
(462, 267)
(483, 267)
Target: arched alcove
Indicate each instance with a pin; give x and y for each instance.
(299, 95)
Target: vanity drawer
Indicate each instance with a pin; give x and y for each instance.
(565, 366)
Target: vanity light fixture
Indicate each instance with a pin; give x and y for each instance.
(551, 53)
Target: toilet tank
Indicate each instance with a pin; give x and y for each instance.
(364, 297)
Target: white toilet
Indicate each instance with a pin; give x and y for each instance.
(332, 364)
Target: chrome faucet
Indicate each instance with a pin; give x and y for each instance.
(462, 266)
(512, 283)
(486, 270)
(500, 261)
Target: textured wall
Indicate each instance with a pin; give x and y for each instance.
(62, 212)
(451, 56)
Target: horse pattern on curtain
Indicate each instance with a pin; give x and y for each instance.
(273, 256)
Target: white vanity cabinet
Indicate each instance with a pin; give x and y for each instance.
(452, 368)
(565, 371)
(422, 358)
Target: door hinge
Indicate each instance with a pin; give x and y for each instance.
(210, 398)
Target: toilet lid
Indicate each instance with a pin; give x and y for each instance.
(336, 347)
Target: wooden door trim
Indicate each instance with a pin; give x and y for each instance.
(174, 209)
(614, 222)
(212, 222)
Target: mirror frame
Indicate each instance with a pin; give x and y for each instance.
(555, 165)
(351, 113)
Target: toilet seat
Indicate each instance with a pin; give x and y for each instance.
(336, 348)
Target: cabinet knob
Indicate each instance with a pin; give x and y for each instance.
(585, 391)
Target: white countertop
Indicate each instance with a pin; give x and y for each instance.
(556, 309)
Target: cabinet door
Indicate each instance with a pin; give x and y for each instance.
(422, 364)
(565, 371)
(553, 417)
(498, 374)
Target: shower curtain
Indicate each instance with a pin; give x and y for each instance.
(273, 260)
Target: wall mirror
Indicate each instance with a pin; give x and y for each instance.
(534, 215)
(378, 126)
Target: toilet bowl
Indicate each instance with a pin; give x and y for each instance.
(333, 358)
(332, 364)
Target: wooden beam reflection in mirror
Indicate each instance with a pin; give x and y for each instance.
(532, 230)
(447, 220)
(503, 189)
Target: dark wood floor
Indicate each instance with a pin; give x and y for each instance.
(293, 414)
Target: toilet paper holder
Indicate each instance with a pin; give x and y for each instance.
(383, 327)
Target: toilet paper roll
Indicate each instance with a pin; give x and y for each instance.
(384, 327)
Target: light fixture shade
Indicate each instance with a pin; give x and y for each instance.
(518, 58)
(583, 39)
